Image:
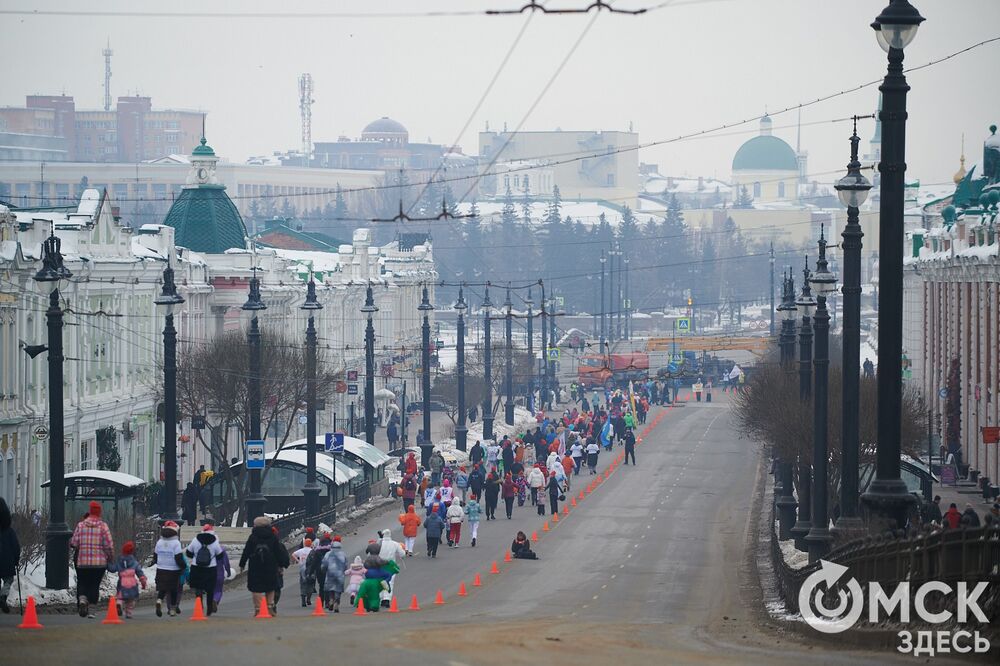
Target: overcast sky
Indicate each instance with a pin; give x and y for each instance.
(671, 72)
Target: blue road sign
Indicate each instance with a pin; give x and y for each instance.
(255, 454)
(334, 442)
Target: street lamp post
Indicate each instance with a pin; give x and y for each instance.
(311, 489)
(887, 500)
(369, 309)
(603, 317)
(805, 304)
(531, 353)
(488, 367)
(57, 533)
(509, 369)
(771, 291)
(544, 385)
(550, 364)
(461, 430)
(169, 297)
(785, 501)
(255, 499)
(627, 304)
(853, 191)
(425, 377)
(786, 341)
(819, 537)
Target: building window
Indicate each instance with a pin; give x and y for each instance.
(781, 189)
(85, 447)
(756, 190)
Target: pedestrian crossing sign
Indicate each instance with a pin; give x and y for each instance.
(683, 324)
(553, 353)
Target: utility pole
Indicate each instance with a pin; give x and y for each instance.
(107, 53)
(255, 500)
(771, 290)
(488, 368)
(311, 490)
(603, 316)
(425, 377)
(509, 375)
(544, 385)
(461, 430)
(169, 298)
(531, 354)
(369, 309)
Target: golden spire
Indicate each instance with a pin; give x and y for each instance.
(960, 174)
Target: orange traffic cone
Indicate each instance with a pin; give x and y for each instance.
(555, 517)
(573, 502)
(494, 569)
(581, 496)
(112, 616)
(393, 606)
(439, 598)
(534, 536)
(360, 609)
(506, 556)
(197, 616)
(264, 613)
(414, 606)
(318, 610)
(545, 527)
(565, 510)
(461, 590)
(30, 616)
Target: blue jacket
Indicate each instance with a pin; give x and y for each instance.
(334, 565)
(472, 510)
(434, 526)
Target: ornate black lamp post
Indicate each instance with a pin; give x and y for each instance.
(550, 364)
(509, 363)
(819, 537)
(887, 500)
(531, 352)
(369, 309)
(603, 316)
(544, 385)
(57, 532)
(169, 297)
(461, 431)
(425, 377)
(487, 367)
(255, 499)
(853, 191)
(785, 501)
(311, 490)
(805, 304)
(786, 340)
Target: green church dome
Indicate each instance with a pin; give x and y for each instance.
(206, 220)
(765, 153)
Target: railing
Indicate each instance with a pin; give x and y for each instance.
(362, 493)
(287, 523)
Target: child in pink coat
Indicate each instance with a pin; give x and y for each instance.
(354, 576)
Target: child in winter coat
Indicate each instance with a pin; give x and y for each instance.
(354, 576)
(540, 499)
(334, 565)
(130, 577)
(307, 576)
(472, 510)
(411, 523)
(455, 515)
(168, 556)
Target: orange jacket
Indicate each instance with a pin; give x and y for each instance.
(410, 522)
(567, 463)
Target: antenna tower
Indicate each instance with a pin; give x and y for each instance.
(305, 109)
(107, 53)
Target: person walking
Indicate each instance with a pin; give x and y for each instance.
(932, 511)
(536, 481)
(189, 504)
(476, 481)
(409, 486)
(507, 456)
(437, 464)
(476, 453)
(307, 581)
(264, 555)
(576, 453)
(10, 554)
(555, 490)
(952, 517)
(593, 451)
(354, 576)
(92, 550)
(492, 490)
(473, 511)
(492, 455)
(392, 433)
(130, 578)
(629, 446)
(462, 482)
(168, 557)
(455, 516)
(334, 567)
(433, 528)
(315, 559)
(509, 492)
(411, 523)
(203, 551)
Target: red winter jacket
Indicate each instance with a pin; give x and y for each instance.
(952, 518)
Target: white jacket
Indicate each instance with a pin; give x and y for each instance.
(390, 550)
(535, 478)
(456, 514)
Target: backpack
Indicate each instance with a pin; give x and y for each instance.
(203, 558)
(126, 575)
(263, 556)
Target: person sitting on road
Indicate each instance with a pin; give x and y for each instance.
(521, 548)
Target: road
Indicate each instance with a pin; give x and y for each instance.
(650, 566)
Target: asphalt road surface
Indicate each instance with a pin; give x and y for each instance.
(649, 568)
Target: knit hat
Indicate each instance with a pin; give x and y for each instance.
(128, 548)
(308, 543)
(95, 509)
(338, 538)
(208, 527)
(261, 521)
(309, 530)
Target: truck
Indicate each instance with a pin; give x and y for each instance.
(615, 369)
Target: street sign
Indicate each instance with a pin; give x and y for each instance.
(352, 389)
(303, 419)
(942, 393)
(197, 422)
(683, 324)
(255, 454)
(991, 435)
(334, 442)
(41, 433)
(341, 387)
(553, 354)
(560, 301)
(320, 404)
(352, 375)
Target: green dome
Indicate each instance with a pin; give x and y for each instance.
(206, 220)
(203, 149)
(765, 153)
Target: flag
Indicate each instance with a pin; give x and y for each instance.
(606, 434)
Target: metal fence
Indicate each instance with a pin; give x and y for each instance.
(362, 493)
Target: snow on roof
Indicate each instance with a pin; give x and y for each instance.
(120, 478)
(89, 202)
(353, 445)
(324, 464)
(585, 212)
(326, 262)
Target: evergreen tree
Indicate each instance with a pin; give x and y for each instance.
(554, 213)
(526, 204)
(508, 216)
(744, 200)
(339, 211)
(629, 227)
(84, 184)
